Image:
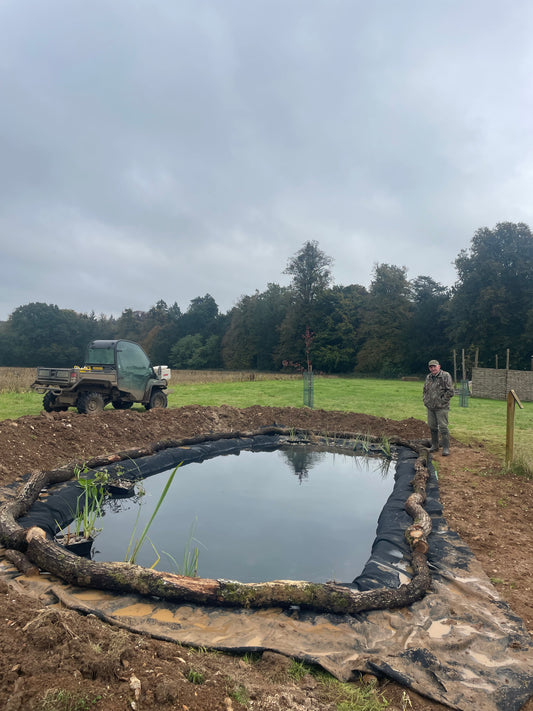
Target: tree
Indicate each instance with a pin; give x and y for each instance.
(159, 314)
(202, 316)
(492, 299)
(239, 342)
(130, 325)
(384, 323)
(252, 337)
(194, 352)
(427, 329)
(310, 272)
(311, 276)
(43, 334)
(337, 340)
(164, 331)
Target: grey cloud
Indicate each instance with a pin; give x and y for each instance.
(202, 143)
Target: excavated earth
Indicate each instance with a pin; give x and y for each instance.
(48, 652)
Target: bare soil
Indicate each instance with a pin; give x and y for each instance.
(48, 649)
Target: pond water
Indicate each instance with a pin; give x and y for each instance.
(290, 514)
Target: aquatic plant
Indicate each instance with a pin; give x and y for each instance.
(386, 447)
(363, 443)
(189, 566)
(88, 504)
(139, 543)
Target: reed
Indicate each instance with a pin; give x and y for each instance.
(89, 503)
(136, 547)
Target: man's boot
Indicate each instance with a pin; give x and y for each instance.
(434, 441)
(445, 445)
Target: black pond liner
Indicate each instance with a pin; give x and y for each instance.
(389, 551)
(461, 645)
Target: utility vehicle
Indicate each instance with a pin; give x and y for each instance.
(117, 372)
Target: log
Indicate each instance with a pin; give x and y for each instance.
(21, 562)
(129, 578)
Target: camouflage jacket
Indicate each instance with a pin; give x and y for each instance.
(438, 391)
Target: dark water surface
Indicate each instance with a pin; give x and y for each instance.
(293, 513)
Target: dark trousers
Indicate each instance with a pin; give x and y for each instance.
(438, 420)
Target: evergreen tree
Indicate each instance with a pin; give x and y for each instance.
(202, 316)
(130, 325)
(164, 333)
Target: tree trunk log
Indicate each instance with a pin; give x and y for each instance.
(129, 578)
(21, 562)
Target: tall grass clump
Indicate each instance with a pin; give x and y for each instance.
(521, 465)
(90, 502)
(16, 380)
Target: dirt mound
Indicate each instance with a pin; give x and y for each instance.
(53, 439)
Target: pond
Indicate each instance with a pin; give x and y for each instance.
(293, 513)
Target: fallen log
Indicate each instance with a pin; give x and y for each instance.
(416, 534)
(129, 578)
(21, 562)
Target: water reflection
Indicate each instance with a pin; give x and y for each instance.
(295, 513)
(301, 460)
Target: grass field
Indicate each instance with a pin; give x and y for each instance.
(482, 421)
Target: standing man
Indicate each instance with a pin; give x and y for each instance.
(438, 391)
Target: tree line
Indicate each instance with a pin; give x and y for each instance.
(389, 329)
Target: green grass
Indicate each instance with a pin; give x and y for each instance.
(15, 404)
(483, 421)
(63, 700)
(195, 677)
(346, 696)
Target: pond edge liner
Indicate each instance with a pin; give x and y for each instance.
(35, 546)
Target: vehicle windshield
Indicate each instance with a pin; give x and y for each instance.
(100, 356)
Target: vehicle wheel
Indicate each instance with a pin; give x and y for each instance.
(90, 403)
(48, 403)
(157, 399)
(121, 404)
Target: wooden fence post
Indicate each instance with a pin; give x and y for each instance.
(512, 399)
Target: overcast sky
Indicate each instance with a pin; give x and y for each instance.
(166, 149)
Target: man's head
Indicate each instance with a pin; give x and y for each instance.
(434, 366)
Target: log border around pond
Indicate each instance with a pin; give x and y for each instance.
(28, 548)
